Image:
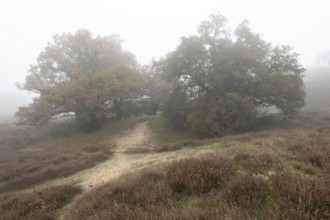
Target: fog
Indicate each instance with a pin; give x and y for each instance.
(10, 101)
(149, 29)
(317, 83)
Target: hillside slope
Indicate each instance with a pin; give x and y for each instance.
(142, 168)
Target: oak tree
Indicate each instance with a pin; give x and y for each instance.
(220, 79)
(81, 74)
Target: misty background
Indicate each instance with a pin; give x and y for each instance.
(150, 29)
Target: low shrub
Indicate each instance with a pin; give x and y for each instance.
(300, 194)
(313, 150)
(191, 214)
(247, 192)
(199, 176)
(144, 197)
(178, 145)
(259, 162)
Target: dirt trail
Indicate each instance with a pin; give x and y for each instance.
(120, 163)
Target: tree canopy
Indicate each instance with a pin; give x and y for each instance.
(90, 76)
(219, 80)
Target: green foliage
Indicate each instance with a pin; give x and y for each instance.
(219, 80)
(214, 117)
(177, 107)
(163, 132)
(155, 90)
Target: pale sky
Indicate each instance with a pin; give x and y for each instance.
(151, 28)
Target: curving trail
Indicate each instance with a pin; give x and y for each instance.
(120, 163)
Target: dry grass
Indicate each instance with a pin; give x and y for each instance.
(207, 188)
(22, 165)
(30, 156)
(163, 132)
(38, 205)
(167, 146)
(199, 176)
(179, 145)
(248, 192)
(15, 137)
(134, 198)
(24, 169)
(309, 197)
(259, 163)
(314, 149)
(151, 195)
(274, 174)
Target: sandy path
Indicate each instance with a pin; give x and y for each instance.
(120, 163)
